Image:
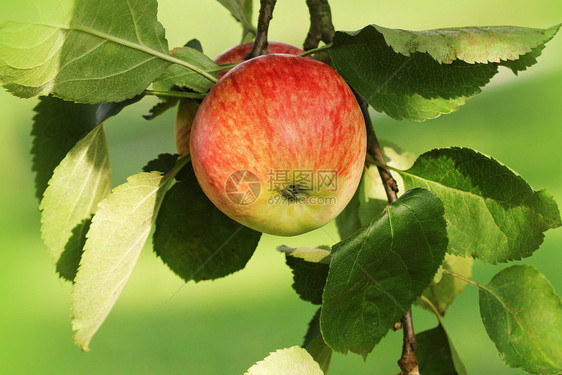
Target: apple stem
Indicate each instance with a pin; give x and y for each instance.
(321, 26)
(266, 14)
(408, 362)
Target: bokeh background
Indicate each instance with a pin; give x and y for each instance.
(160, 324)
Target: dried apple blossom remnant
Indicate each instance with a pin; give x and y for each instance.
(284, 186)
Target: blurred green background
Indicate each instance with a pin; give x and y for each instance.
(160, 325)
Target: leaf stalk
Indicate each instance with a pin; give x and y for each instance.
(175, 94)
(316, 50)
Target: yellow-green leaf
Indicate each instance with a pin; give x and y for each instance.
(79, 183)
(117, 234)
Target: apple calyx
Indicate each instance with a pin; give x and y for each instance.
(293, 193)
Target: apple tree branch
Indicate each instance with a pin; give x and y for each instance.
(408, 362)
(266, 14)
(321, 27)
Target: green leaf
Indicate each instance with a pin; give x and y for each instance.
(313, 329)
(436, 354)
(294, 360)
(181, 76)
(84, 50)
(248, 8)
(442, 292)
(320, 254)
(117, 234)
(167, 103)
(310, 269)
(195, 239)
(469, 44)
(195, 44)
(315, 345)
(376, 274)
(161, 107)
(79, 183)
(523, 316)
(418, 75)
(69, 260)
(241, 10)
(164, 163)
(492, 213)
(57, 126)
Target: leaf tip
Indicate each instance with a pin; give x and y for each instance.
(554, 29)
(79, 340)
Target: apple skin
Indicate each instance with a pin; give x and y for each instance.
(187, 108)
(279, 112)
(184, 119)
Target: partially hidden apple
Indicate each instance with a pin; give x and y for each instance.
(184, 120)
(238, 53)
(187, 108)
(279, 144)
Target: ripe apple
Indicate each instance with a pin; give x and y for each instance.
(184, 119)
(279, 144)
(187, 108)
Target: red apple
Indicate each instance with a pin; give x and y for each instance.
(187, 108)
(279, 144)
(184, 119)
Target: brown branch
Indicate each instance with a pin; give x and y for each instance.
(266, 14)
(408, 362)
(321, 27)
(374, 149)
